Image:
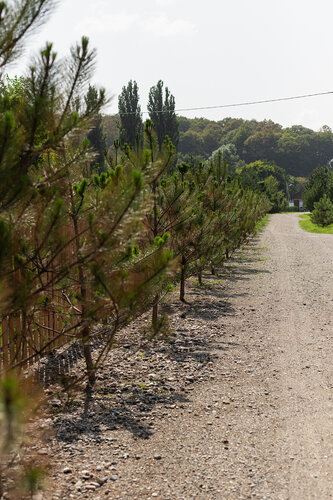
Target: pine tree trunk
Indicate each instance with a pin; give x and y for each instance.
(91, 369)
(227, 253)
(155, 233)
(213, 271)
(85, 332)
(182, 280)
(1, 481)
(200, 277)
(155, 315)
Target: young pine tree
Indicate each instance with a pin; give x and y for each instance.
(66, 238)
(322, 213)
(158, 226)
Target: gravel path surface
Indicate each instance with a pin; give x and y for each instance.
(237, 405)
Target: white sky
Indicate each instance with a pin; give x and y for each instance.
(208, 52)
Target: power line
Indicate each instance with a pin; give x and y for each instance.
(249, 103)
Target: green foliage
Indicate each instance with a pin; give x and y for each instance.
(261, 224)
(298, 150)
(290, 209)
(183, 169)
(109, 244)
(79, 189)
(212, 216)
(96, 134)
(322, 214)
(161, 106)
(12, 404)
(267, 178)
(18, 404)
(19, 401)
(191, 142)
(161, 240)
(229, 157)
(18, 20)
(130, 115)
(306, 224)
(12, 90)
(33, 479)
(320, 183)
(5, 240)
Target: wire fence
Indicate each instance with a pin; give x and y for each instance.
(24, 338)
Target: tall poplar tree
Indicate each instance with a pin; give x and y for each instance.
(130, 115)
(161, 106)
(96, 134)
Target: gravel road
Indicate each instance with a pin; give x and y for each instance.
(254, 417)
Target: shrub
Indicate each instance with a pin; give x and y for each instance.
(322, 214)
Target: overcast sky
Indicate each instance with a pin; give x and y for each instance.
(208, 53)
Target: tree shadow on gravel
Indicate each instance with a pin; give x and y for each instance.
(131, 391)
(202, 309)
(196, 349)
(130, 404)
(241, 273)
(216, 286)
(211, 312)
(98, 418)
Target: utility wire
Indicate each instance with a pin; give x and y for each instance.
(257, 102)
(250, 103)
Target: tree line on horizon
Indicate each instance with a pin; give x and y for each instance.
(262, 176)
(296, 149)
(263, 155)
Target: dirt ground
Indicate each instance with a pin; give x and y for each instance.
(237, 405)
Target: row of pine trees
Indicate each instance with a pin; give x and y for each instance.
(111, 244)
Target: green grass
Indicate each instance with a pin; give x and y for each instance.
(142, 386)
(262, 223)
(309, 226)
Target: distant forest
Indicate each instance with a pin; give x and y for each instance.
(297, 149)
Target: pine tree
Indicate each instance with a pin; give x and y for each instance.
(86, 246)
(224, 217)
(30, 127)
(117, 269)
(161, 162)
(323, 212)
(130, 115)
(63, 234)
(201, 238)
